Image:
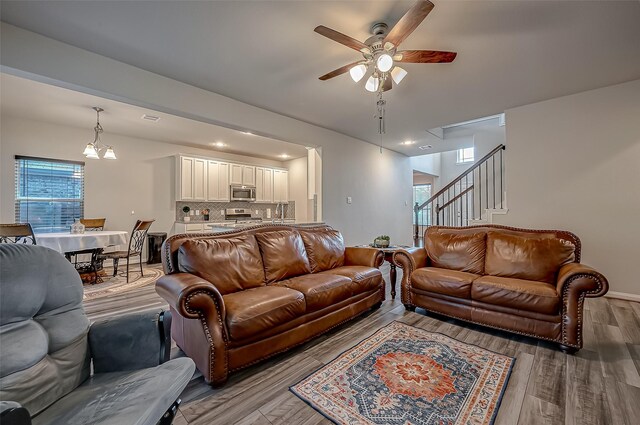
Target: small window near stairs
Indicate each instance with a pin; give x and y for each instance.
(465, 155)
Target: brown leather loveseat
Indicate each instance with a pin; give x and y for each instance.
(529, 282)
(240, 297)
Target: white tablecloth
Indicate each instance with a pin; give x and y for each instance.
(67, 242)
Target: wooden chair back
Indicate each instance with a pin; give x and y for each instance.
(17, 233)
(138, 235)
(93, 223)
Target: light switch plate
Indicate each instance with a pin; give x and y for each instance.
(348, 199)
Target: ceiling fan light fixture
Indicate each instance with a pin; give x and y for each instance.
(398, 74)
(357, 72)
(372, 84)
(384, 62)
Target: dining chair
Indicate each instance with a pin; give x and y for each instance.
(93, 224)
(93, 265)
(136, 242)
(17, 233)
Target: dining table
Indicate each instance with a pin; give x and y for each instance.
(90, 242)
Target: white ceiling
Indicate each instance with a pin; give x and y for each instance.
(265, 53)
(41, 102)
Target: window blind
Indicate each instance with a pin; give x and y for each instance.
(49, 193)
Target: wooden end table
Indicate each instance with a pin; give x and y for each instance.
(388, 257)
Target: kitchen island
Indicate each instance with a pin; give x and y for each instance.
(225, 226)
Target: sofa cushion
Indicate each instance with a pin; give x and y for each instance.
(453, 249)
(231, 264)
(320, 290)
(519, 294)
(283, 255)
(364, 278)
(325, 249)
(255, 310)
(443, 281)
(529, 256)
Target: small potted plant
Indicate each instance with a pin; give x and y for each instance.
(186, 210)
(381, 241)
(205, 213)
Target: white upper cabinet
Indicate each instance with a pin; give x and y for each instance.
(243, 174)
(193, 179)
(217, 181)
(280, 186)
(264, 184)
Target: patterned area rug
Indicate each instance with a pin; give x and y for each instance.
(405, 375)
(111, 285)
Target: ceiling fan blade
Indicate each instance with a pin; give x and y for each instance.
(339, 71)
(342, 39)
(424, 56)
(409, 22)
(388, 83)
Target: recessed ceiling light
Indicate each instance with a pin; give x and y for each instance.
(407, 142)
(218, 144)
(151, 118)
(425, 147)
(284, 155)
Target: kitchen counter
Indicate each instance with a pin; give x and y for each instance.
(225, 226)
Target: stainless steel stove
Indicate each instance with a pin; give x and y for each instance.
(240, 216)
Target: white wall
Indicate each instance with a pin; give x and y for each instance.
(573, 163)
(298, 185)
(142, 179)
(379, 183)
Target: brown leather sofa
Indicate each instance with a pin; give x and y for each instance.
(240, 297)
(529, 282)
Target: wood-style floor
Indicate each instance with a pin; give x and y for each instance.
(598, 385)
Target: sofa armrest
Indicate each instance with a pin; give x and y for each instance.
(362, 256)
(409, 260)
(198, 299)
(575, 282)
(130, 342)
(576, 278)
(12, 413)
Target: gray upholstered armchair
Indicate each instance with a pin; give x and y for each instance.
(57, 368)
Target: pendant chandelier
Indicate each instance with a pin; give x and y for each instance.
(94, 149)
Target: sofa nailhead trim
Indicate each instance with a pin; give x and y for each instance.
(565, 298)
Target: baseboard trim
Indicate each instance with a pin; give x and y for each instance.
(623, 296)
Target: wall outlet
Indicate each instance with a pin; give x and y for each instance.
(348, 199)
(257, 212)
(221, 212)
(197, 212)
(268, 212)
(132, 212)
(192, 212)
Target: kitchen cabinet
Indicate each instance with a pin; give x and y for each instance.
(193, 179)
(264, 184)
(217, 181)
(280, 186)
(243, 175)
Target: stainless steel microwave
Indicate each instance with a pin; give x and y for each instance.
(243, 193)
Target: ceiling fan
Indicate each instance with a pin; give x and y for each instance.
(380, 52)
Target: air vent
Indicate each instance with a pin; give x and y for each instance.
(151, 118)
(425, 147)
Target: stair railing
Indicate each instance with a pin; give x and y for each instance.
(467, 197)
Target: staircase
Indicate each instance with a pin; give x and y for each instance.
(472, 198)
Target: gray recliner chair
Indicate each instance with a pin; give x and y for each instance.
(57, 368)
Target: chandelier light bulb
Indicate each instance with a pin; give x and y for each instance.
(384, 62)
(398, 74)
(89, 150)
(372, 84)
(357, 72)
(109, 153)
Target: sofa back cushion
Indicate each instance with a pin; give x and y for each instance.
(231, 264)
(44, 349)
(283, 255)
(529, 256)
(456, 249)
(325, 249)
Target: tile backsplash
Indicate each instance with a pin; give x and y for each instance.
(215, 209)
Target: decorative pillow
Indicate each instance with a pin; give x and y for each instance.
(452, 249)
(230, 264)
(533, 256)
(325, 249)
(283, 255)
